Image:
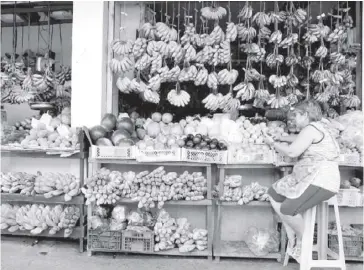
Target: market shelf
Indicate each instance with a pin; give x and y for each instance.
(179, 202)
(6, 197)
(78, 232)
(246, 166)
(170, 252)
(235, 249)
(160, 163)
(40, 153)
(354, 259)
(253, 203)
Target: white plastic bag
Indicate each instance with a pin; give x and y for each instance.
(261, 241)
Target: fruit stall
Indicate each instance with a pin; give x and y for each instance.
(171, 141)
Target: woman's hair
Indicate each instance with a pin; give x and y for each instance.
(310, 106)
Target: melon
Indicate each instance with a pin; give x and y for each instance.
(156, 117)
(177, 130)
(66, 119)
(97, 132)
(167, 118)
(104, 142)
(125, 143)
(109, 121)
(141, 133)
(125, 123)
(119, 135)
(153, 129)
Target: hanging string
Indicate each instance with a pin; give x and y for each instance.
(60, 41)
(38, 37)
(49, 29)
(178, 20)
(309, 47)
(14, 34)
(22, 39)
(161, 12)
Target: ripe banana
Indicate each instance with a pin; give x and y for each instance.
(231, 32)
(277, 102)
(212, 101)
(188, 74)
(148, 31)
(150, 96)
(273, 59)
(251, 74)
(190, 52)
(246, 91)
(140, 45)
(143, 62)
(223, 55)
(201, 77)
(212, 80)
(227, 77)
(123, 65)
(164, 74)
(190, 31)
(276, 37)
(156, 61)
(278, 17)
(261, 19)
(122, 47)
(213, 13)
(174, 74)
(246, 12)
(178, 97)
(154, 83)
(217, 35)
(278, 81)
(289, 40)
(123, 84)
(246, 33)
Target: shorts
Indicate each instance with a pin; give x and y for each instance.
(311, 197)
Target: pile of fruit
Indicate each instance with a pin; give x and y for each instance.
(234, 191)
(26, 124)
(352, 183)
(48, 184)
(149, 189)
(37, 218)
(171, 233)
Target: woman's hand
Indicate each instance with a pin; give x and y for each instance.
(268, 140)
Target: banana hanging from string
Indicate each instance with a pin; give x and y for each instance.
(227, 77)
(124, 85)
(246, 12)
(201, 77)
(178, 97)
(123, 65)
(213, 12)
(245, 90)
(122, 47)
(231, 32)
(139, 48)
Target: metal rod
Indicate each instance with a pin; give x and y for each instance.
(35, 9)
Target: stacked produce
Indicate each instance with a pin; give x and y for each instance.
(37, 218)
(150, 189)
(236, 192)
(22, 183)
(170, 233)
(26, 123)
(352, 183)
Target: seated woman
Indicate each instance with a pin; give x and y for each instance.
(315, 177)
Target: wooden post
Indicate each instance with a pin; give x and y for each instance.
(359, 29)
(109, 73)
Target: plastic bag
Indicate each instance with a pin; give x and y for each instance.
(135, 219)
(115, 225)
(261, 241)
(98, 223)
(101, 211)
(119, 213)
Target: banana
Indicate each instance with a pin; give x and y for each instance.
(231, 32)
(123, 84)
(148, 31)
(140, 45)
(213, 13)
(212, 101)
(217, 35)
(154, 83)
(277, 102)
(246, 12)
(156, 62)
(273, 59)
(252, 74)
(261, 19)
(246, 33)
(190, 52)
(150, 96)
(190, 31)
(264, 32)
(278, 81)
(122, 47)
(188, 74)
(178, 97)
(289, 40)
(201, 77)
(351, 101)
(143, 62)
(174, 74)
(262, 94)
(227, 77)
(164, 73)
(246, 91)
(292, 80)
(278, 17)
(276, 37)
(222, 55)
(212, 80)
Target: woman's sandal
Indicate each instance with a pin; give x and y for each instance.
(294, 250)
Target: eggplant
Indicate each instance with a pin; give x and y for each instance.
(196, 140)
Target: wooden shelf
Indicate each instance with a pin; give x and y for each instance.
(253, 203)
(6, 197)
(78, 232)
(234, 249)
(170, 252)
(354, 259)
(40, 153)
(180, 202)
(134, 162)
(246, 166)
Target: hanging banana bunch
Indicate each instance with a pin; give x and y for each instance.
(178, 97)
(213, 12)
(202, 75)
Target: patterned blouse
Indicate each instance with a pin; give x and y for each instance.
(317, 166)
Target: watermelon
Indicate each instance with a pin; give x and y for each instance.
(125, 123)
(125, 143)
(109, 121)
(104, 142)
(119, 135)
(97, 132)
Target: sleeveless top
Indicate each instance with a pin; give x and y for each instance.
(317, 166)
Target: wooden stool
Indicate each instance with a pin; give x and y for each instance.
(322, 239)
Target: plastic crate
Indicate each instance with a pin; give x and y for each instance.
(158, 155)
(104, 240)
(350, 197)
(349, 159)
(353, 245)
(138, 241)
(266, 157)
(112, 152)
(204, 156)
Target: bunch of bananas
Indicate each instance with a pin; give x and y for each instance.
(277, 81)
(273, 59)
(201, 77)
(339, 33)
(259, 103)
(212, 101)
(307, 61)
(317, 76)
(140, 45)
(27, 84)
(212, 80)
(292, 59)
(227, 77)
(189, 33)
(224, 100)
(261, 19)
(319, 30)
(122, 65)
(143, 62)
(214, 58)
(336, 78)
(348, 21)
(259, 56)
(164, 73)
(337, 58)
(251, 74)
(264, 32)
(156, 61)
(277, 102)
(175, 51)
(323, 97)
(18, 95)
(232, 104)
(299, 16)
(289, 40)
(335, 101)
(150, 96)
(351, 101)
(310, 37)
(278, 17)
(292, 80)
(173, 74)
(154, 83)
(137, 86)
(204, 55)
(157, 46)
(199, 40)
(188, 74)
(276, 37)
(246, 12)
(262, 94)
(148, 31)
(231, 32)
(178, 97)
(190, 52)
(41, 83)
(292, 99)
(123, 84)
(122, 47)
(321, 52)
(217, 35)
(164, 32)
(246, 33)
(224, 53)
(213, 13)
(246, 90)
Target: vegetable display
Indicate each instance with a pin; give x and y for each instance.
(149, 189)
(37, 218)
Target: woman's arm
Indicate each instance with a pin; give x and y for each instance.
(289, 138)
(300, 144)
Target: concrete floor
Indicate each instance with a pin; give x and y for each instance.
(20, 253)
